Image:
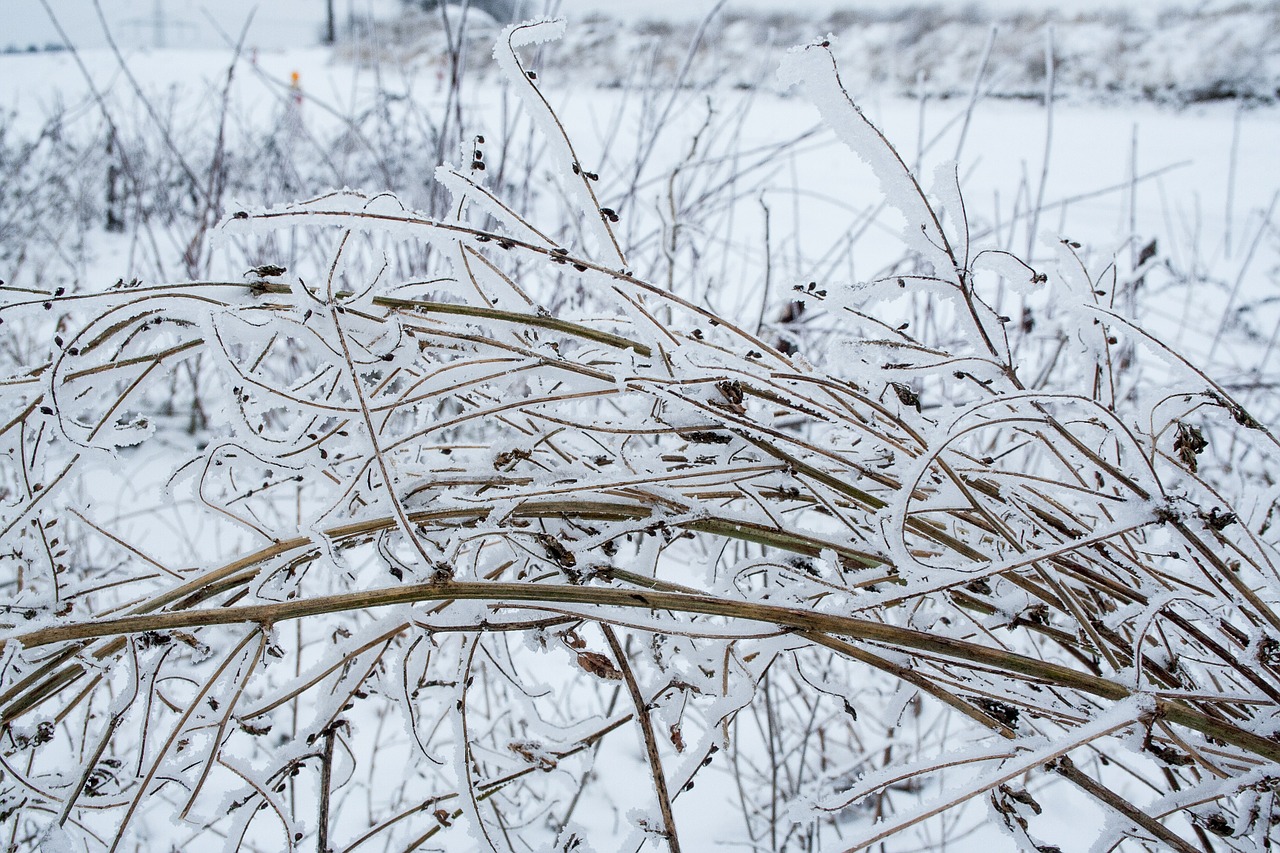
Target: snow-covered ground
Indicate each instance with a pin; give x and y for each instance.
(1195, 179)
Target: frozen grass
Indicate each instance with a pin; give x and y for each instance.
(463, 521)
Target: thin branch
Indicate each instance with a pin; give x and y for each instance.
(646, 730)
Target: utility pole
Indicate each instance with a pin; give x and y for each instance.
(330, 30)
(158, 25)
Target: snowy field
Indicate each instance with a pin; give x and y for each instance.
(289, 23)
(660, 473)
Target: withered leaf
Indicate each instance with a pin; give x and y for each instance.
(1021, 795)
(268, 271)
(1188, 444)
(1169, 755)
(533, 752)
(731, 390)
(906, 395)
(599, 666)
(556, 550)
(1007, 714)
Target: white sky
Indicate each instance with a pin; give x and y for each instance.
(292, 23)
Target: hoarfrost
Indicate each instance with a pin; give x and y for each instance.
(576, 177)
(813, 68)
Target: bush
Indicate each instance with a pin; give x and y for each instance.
(446, 559)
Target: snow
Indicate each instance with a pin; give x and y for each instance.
(813, 68)
(1197, 179)
(697, 9)
(160, 23)
(293, 23)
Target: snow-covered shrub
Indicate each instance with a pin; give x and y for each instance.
(455, 571)
(1173, 55)
(36, 191)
